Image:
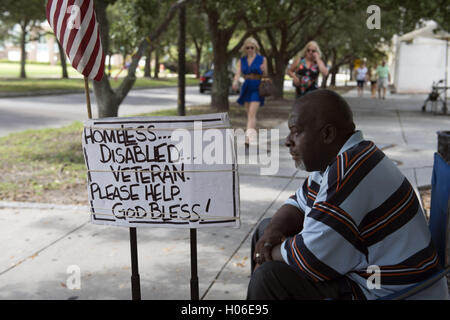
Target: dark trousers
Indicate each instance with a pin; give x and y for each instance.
(276, 280)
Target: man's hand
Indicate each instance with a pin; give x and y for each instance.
(265, 245)
(286, 222)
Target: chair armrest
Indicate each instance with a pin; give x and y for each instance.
(409, 291)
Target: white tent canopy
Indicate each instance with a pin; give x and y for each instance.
(420, 59)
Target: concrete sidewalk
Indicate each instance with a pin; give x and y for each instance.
(40, 242)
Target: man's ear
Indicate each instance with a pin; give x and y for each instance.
(329, 133)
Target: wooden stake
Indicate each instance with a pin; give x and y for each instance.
(135, 279)
(88, 98)
(194, 275)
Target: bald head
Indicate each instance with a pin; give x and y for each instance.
(322, 107)
(320, 123)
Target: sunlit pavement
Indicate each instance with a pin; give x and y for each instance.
(45, 243)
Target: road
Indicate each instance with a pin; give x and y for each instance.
(21, 113)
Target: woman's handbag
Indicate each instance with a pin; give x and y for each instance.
(266, 88)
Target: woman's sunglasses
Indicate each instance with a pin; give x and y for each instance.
(310, 50)
(249, 48)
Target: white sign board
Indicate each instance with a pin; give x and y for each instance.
(162, 171)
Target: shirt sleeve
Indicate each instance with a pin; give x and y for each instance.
(298, 199)
(327, 247)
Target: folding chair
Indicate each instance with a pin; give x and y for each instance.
(439, 227)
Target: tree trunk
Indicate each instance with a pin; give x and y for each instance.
(333, 77)
(62, 57)
(156, 70)
(220, 87)
(182, 61)
(23, 53)
(107, 103)
(220, 39)
(323, 85)
(109, 65)
(278, 78)
(147, 71)
(198, 59)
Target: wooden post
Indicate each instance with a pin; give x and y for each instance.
(194, 276)
(88, 98)
(135, 279)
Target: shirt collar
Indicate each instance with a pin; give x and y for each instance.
(356, 138)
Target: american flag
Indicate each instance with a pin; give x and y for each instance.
(76, 29)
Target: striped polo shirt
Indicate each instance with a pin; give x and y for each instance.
(363, 219)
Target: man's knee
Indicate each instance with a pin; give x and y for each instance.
(261, 280)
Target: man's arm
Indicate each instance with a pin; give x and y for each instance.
(286, 222)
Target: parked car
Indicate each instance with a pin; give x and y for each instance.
(206, 82)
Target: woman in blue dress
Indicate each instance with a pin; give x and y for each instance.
(253, 67)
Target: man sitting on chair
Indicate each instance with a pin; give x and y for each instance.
(354, 230)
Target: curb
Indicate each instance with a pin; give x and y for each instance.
(38, 205)
(39, 93)
(62, 92)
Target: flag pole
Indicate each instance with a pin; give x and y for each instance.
(88, 98)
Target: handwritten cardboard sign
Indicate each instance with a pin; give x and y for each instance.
(162, 171)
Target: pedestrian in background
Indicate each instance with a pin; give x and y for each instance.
(384, 78)
(306, 68)
(373, 80)
(253, 66)
(361, 77)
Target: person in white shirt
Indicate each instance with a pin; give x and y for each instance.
(361, 78)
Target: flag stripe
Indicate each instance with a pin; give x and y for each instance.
(61, 15)
(93, 65)
(78, 35)
(73, 32)
(83, 51)
(50, 11)
(63, 31)
(55, 16)
(95, 44)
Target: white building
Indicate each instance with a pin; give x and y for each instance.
(420, 59)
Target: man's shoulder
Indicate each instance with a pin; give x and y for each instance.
(359, 147)
(361, 157)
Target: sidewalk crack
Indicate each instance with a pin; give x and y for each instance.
(246, 237)
(35, 254)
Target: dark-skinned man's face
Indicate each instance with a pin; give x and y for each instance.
(304, 140)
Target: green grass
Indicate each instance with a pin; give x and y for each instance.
(12, 70)
(34, 163)
(33, 85)
(44, 77)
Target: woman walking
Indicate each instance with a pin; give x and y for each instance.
(253, 66)
(306, 68)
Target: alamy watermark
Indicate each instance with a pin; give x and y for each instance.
(73, 282)
(374, 280)
(74, 20)
(214, 146)
(374, 20)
